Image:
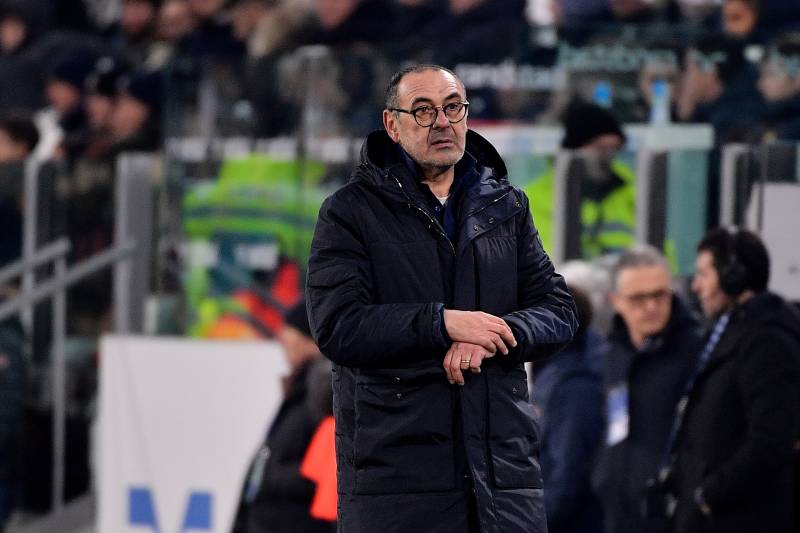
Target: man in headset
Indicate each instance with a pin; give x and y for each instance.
(735, 438)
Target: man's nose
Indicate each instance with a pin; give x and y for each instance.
(441, 120)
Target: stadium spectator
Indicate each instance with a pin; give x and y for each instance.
(780, 86)
(698, 13)
(22, 26)
(66, 98)
(132, 37)
(271, 31)
(735, 453)
(740, 18)
(213, 36)
(608, 212)
(101, 90)
(413, 23)
(346, 22)
(15, 31)
(135, 119)
(12, 395)
(634, 11)
(719, 86)
(576, 18)
(88, 191)
(268, 26)
(174, 23)
(568, 398)
(18, 138)
(477, 23)
(654, 346)
(276, 496)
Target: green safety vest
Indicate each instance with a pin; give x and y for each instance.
(608, 225)
(256, 199)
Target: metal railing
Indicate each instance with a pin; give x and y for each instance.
(133, 198)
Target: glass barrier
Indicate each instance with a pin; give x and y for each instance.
(679, 205)
(760, 190)
(243, 196)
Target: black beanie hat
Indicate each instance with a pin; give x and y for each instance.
(75, 67)
(584, 122)
(297, 317)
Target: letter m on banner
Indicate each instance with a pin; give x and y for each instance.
(142, 511)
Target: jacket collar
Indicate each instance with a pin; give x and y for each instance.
(488, 202)
(765, 308)
(380, 157)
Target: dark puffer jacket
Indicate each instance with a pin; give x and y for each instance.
(740, 425)
(654, 378)
(380, 266)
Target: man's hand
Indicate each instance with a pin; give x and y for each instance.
(463, 356)
(476, 327)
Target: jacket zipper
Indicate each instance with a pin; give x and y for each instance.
(433, 221)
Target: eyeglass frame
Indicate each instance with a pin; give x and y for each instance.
(436, 109)
(641, 298)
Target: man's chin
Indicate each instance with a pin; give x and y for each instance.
(444, 160)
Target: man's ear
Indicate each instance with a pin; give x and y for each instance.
(390, 124)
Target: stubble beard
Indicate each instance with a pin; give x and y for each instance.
(437, 166)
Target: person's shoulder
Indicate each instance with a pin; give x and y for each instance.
(517, 195)
(346, 196)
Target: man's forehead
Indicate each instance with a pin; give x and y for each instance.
(429, 84)
(636, 276)
(704, 259)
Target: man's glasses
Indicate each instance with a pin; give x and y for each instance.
(640, 299)
(426, 115)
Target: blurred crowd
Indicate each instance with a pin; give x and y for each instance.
(95, 75)
(680, 413)
(84, 81)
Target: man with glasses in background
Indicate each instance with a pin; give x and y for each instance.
(428, 258)
(654, 345)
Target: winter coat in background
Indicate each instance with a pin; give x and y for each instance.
(276, 496)
(737, 440)
(569, 398)
(650, 382)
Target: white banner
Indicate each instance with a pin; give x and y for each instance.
(179, 422)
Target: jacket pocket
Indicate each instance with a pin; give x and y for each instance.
(404, 435)
(513, 433)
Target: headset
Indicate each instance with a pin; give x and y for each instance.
(732, 273)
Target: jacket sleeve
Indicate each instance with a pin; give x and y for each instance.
(546, 320)
(347, 326)
(768, 380)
